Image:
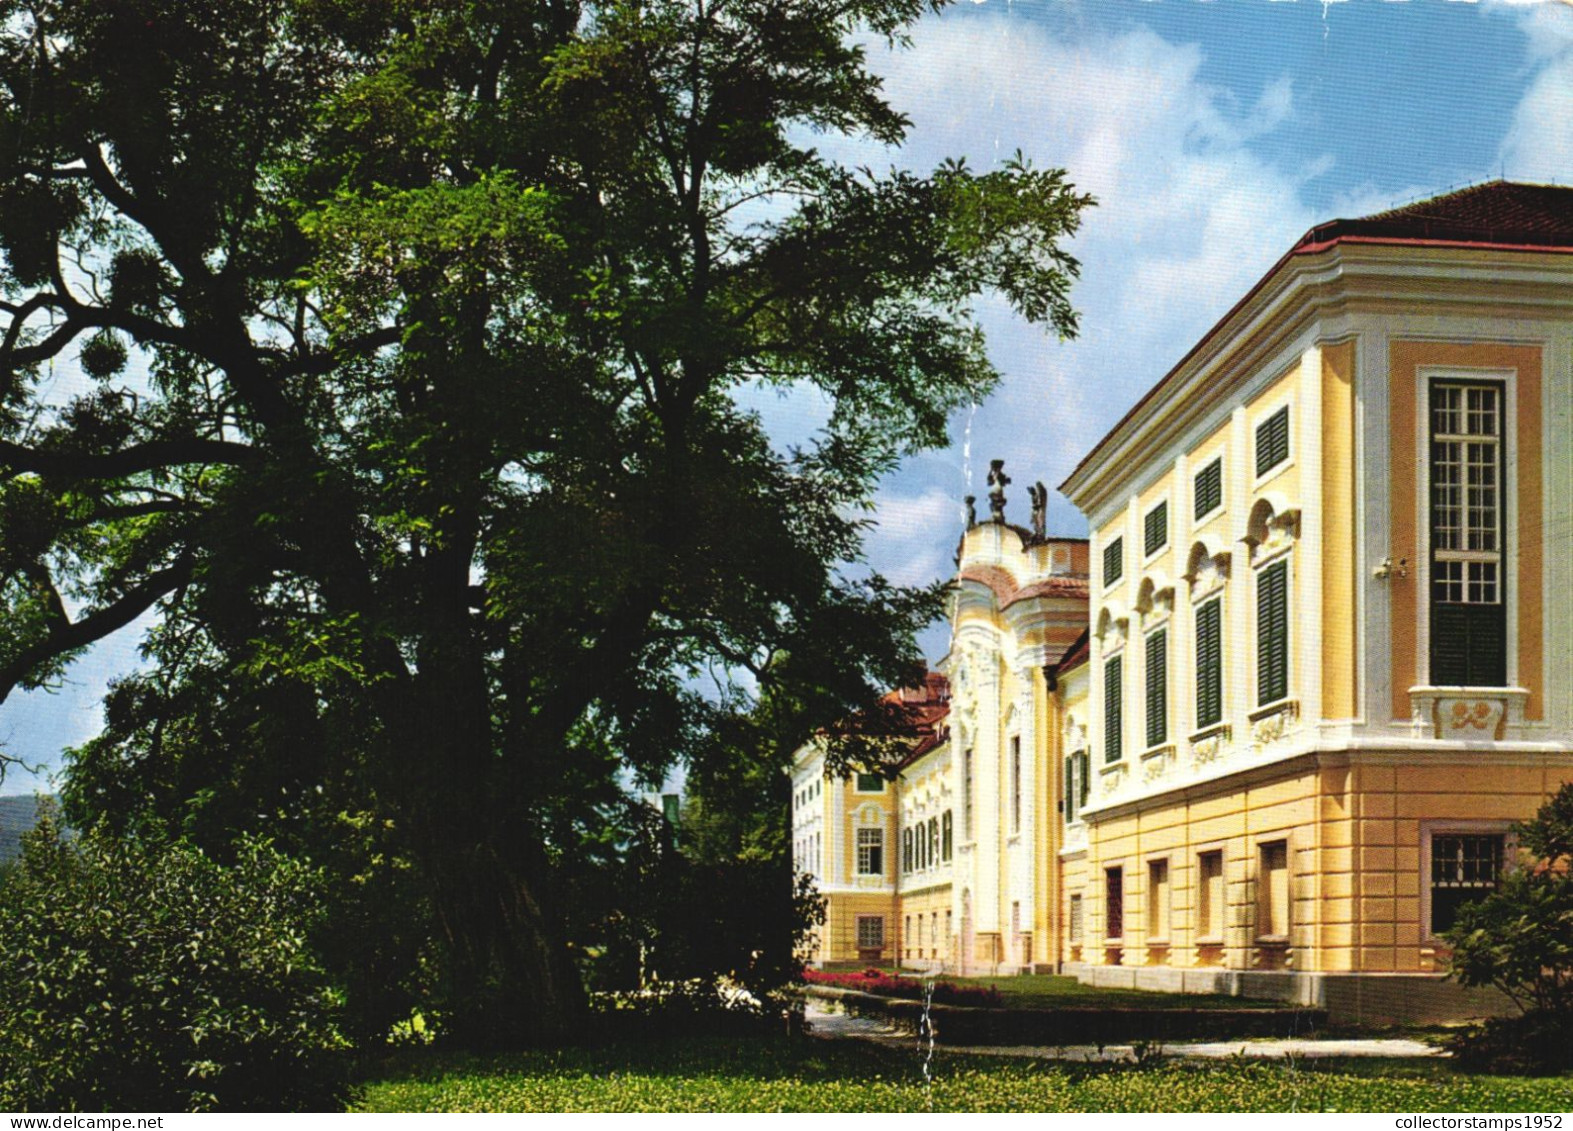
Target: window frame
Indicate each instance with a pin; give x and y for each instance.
(1115, 548)
(1199, 517)
(1429, 831)
(861, 921)
(858, 787)
(1264, 892)
(1267, 419)
(1153, 910)
(876, 845)
(1014, 747)
(1150, 549)
(1212, 602)
(1504, 385)
(1114, 735)
(1205, 911)
(1157, 635)
(1114, 899)
(1279, 566)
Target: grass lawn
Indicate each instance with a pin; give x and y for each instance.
(684, 1075)
(1045, 991)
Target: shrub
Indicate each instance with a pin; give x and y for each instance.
(873, 981)
(150, 977)
(1520, 940)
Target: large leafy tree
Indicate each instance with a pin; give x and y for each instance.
(421, 335)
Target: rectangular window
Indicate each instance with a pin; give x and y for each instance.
(946, 837)
(1114, 561)
(1208, 488)
(1209, 664)
(906, 850)
(1158, 903)
(1272, 634)
(1209, 895)
(1068, 805)
(1155, 529)
(1157, 689)
(1468, 606)
(1113, 688)
(871, 932)
(966, 795)
(907, 933)
(1272, 896)
(1114, 903)
(1015, 783)
(1464, 868)
(1272, 441)
(933, 841)
(1075, 923)
(871, 852)
(870, 783)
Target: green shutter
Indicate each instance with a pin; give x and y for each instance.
(1209, 664)
(1156, 533)
(1069, 805)
(1157, 689)
(1085, 765)
(1113, 680)
(1272, 634)
(1209, 488)
(1113, 561)
(1272, 441)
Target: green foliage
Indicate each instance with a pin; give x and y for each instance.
(680, 1075)
(154, 978)
(1519, 939)
(430, 452)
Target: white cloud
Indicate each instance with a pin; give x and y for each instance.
(916, 534)
(1189, 216)
(1539, 143)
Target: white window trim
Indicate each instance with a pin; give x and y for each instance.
(1257, 844)
(1166, 859)
(1200, 520)
(1508, 378)
(1221, 847)
(1168, 530)
(1291, 636)
(1254, 422)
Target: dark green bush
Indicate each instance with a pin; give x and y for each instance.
(1520, 940)
(144, 977)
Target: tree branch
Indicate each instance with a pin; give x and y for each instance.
(15, 459)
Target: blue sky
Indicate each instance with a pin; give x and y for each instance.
(1212, 133)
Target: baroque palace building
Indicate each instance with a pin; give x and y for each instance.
(1270, 727)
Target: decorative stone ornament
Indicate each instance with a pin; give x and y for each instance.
(998, 481)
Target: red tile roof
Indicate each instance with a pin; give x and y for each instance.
(1497, 213)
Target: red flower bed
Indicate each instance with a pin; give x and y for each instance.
(888, 985)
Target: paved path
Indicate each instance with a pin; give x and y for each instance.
(844, 1026)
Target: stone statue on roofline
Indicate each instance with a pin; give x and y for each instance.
(972, 510)
(998, 481)
(1039, 495)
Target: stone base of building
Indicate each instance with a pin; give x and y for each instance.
(1360, 999)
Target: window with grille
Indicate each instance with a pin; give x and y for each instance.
(906, 850)
(1464, 868)
(1272, 441)
(946, 836)
(1468, 609)
(1076, 919)
(1114, 561)
(933, 838)
(1155, 529)
(1272, 634)
(1113, 691)
(870, 783)
(1209, 895)
(871, 852)
(1157, 688)
(1209, 664)
(1208, 488)
(871, 932)
(1114, 903)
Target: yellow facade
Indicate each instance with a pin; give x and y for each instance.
(1269, 727)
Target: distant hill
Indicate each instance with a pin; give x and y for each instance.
(17, 815)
